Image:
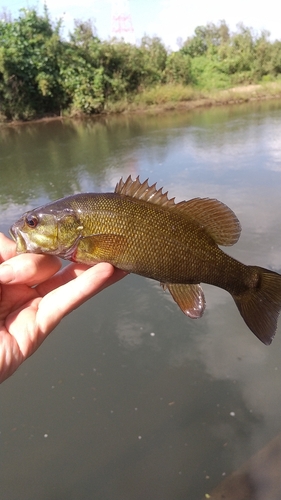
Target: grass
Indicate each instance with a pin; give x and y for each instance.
(162, 94)
(173, 96)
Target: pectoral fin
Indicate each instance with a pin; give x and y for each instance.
(190, 298)
(99, 248)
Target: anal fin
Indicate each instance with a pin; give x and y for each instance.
(190, 298)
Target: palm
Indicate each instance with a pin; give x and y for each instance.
(17, 314)
(38, 296)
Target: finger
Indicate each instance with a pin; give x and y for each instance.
(71, 272)
(29, 269)
(69, 296)
(68, 273)
(7, 248)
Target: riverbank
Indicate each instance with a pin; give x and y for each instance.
(172, 97)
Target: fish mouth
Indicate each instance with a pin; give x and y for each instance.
(23, 243)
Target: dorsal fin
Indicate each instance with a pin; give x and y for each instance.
(142, 191)
(218, 220)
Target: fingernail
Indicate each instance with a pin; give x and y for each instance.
(6, 274)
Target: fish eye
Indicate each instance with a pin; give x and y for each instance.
(31, 221)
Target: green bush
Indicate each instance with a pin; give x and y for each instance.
(29, 68)
(42, 74)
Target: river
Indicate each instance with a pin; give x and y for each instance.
(128, 399)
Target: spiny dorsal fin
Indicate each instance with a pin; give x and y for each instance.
(216, 217)
(218, 220)
(142, 191)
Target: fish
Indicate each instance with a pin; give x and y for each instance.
(139, 229)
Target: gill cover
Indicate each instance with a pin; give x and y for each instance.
(47, 230)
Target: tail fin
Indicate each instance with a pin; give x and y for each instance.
(260, 305)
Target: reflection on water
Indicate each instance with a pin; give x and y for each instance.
(128, 398)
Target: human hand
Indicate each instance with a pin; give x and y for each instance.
(35, 295)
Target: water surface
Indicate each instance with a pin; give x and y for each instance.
(128, 398)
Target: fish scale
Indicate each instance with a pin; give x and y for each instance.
(139, 229)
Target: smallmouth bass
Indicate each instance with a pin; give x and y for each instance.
(140, 230)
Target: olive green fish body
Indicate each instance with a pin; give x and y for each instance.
(150, 241)
(139, 229)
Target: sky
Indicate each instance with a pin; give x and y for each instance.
(170, 20)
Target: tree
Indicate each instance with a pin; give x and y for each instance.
(29, 66)
(206, 37)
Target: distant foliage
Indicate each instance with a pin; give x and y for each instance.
(220, 59)
(41, 74)
(30, 50)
